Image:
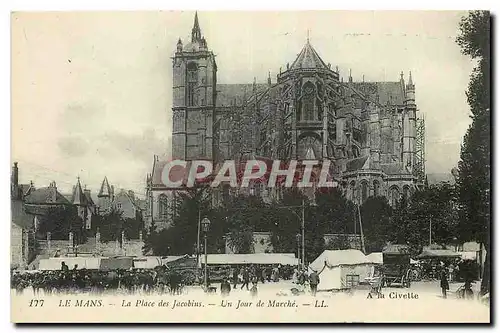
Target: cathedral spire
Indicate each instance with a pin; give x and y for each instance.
(196, 32)
(410, 85)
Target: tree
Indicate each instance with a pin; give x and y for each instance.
(245, 215)
(376, 219)
(111, 225)
(286, 221)
(474, 165)
(341, 242)
(60, 221)
(334, 212)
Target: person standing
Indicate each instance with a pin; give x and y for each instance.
(444, 282)
(225, 287)
(235, 277)
(246, 278)
(313, 282)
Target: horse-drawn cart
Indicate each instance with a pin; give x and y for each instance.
(396, 267)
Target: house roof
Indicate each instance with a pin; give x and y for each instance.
(105, 188)
(308, 58)
(141, 203)
(46, 196)
(26, 188)
(19, 215)
(88, 197)
(78, 197)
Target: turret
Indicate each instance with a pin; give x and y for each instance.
(409, 127)
(179, 45)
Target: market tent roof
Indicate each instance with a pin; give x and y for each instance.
(376, 258)
(468, 255)
(334, 258)
(147, 262)
(54, 264)
(428, 254)
(170, 259)
(396, 249)
(253, 258)
(116, 263)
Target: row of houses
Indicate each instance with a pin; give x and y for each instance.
(29, 204)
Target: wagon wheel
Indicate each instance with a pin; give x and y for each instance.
(408, 279)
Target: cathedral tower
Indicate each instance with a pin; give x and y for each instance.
(194, 95)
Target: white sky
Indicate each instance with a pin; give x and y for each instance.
(91, 92)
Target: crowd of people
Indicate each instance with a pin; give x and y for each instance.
(66, 280)
(158, 280)
(242, 278)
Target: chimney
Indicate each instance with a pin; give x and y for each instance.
(53, 191)
(112, 194)
(15, 182)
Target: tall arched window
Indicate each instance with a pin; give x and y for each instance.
(192, 80)
(308, 98)
(376, 188)
(406, 192)
(364, 191)
(162, 206)
(394, 191)
(352, 190)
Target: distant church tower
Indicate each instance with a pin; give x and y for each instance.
(105, 196)
(194, 96)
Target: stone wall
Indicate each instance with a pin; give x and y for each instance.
(130, 247)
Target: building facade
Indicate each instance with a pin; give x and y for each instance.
(367, 130)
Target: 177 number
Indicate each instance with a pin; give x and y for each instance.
(36, 303)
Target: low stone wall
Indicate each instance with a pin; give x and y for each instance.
(130, 248)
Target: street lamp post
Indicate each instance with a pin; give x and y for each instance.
(298, 236)
(206, 226)
(303, 235)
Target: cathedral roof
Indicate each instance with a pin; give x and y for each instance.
(308, 58)
(227, 93)
(391, 92)
(391, 168)
(356, 163)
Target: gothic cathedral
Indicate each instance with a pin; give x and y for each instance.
(368, 130)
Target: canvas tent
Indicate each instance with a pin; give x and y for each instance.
(253, 258)
(437, 254)
(108, 264)
(147, 262)
(54, 264)
(376, 258)
(342, 269)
